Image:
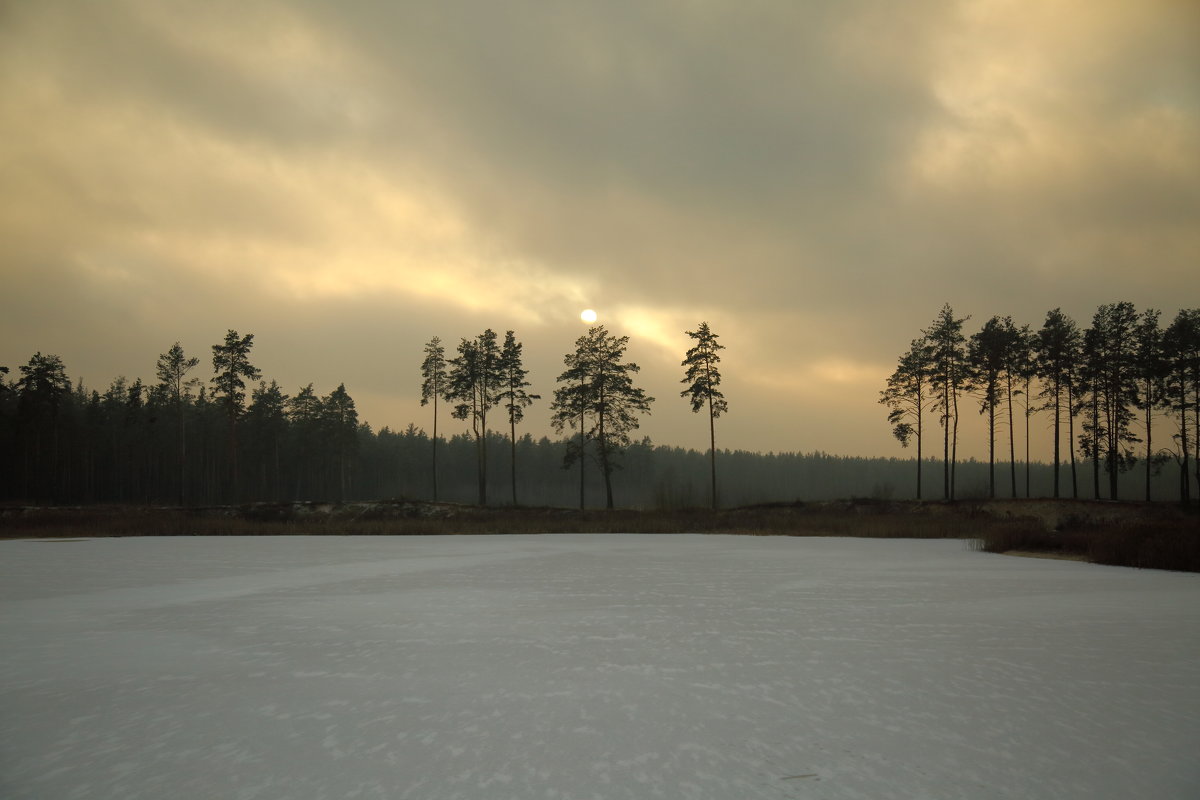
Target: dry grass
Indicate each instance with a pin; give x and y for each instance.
(1152, 544)
(1158, 541)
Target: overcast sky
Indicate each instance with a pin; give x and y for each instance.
(815, 179)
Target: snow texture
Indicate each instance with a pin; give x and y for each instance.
(602, 666)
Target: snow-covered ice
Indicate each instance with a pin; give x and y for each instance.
(577, 666)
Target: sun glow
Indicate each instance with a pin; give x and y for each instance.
(588, 316)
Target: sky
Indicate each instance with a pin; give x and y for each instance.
(813, 179)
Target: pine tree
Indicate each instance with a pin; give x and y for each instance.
(341, 424)
(232, 368)
(304, 413)
(1117, 374)
(598, 383)
(1021, 367)
(1151, 372)
(42, 392)
(1181, 345)
(266, 421)
(172, 369)
(1057, 353)
(514, 396)
(433, 388)
(992, 354)
(703, 377)
(905, 396)
(474, 379)
(950, 376)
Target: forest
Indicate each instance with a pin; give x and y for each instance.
(1121, 394)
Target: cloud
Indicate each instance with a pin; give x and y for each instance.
(813, 179)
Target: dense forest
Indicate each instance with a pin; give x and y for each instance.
(1122, 393)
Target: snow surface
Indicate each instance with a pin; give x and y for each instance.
(590, 666)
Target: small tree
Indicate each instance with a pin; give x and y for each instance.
(513, 395)
(433, 388)
(598, 383)
(703, 377)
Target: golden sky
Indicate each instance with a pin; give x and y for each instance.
(815, 179)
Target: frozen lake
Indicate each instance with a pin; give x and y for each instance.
(589, 666)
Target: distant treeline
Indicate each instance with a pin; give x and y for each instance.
(122, 445)
(181, 441)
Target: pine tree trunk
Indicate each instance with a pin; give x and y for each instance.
(1185, 485)
(582, 446)
(1095, 446)
(954, 448)
(712, 444)
(920, 400)
(513, 457)
(1149, 437)
(1012, 436)
(1057, 425)
(992, 446)
(435, 446)
(1028, 414)
(1071, 439)
(946, 442)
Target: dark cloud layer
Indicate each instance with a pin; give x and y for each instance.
(815, 179)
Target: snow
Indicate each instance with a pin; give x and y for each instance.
(590, 666)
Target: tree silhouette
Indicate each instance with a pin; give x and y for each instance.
(42, 391)
(267, 425)
(1110, 376)
(474, 380)
(703, 377)
(1057, 353)
(1021, 367)
(992, 354)
(514, 396)
(598, 383)
(905, 396)
(950, 376)
(172, 369)
(1181, 344)
(433, 388)
(232, 368)
(341, 422)
(1150, 367)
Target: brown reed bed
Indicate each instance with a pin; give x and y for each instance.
(1155, 538)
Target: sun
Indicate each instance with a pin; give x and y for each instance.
(588, 316)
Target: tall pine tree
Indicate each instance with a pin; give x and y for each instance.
(514, 396)
(703, 378)
(433, 388)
